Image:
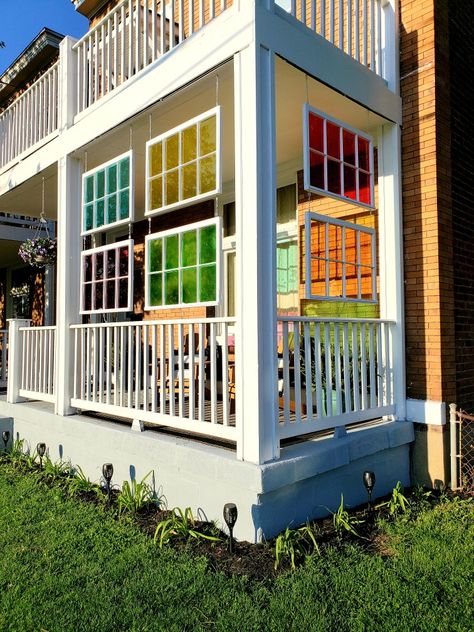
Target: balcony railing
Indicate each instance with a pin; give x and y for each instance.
(31, 118)
(333, 372)
(37, 363)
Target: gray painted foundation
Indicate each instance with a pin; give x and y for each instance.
(306, 482)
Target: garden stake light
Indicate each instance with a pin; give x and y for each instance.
(107, 473)
(369, 483)
(6, 437)
(230, 517)
(41, 449)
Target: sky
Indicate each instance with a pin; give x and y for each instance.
(22, 20)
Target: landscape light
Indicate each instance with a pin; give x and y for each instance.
(41, 449)
(369, 483)
(6, 438)
(107, 473)
(230, 517)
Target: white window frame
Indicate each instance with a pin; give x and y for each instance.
(307, 109)
(128, 243)
(214, 221)
(324, 219)
(161, 138)
(131, 209)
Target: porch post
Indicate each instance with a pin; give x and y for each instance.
(255, 185)
(391, 253)
(14, 359)
(68, 272)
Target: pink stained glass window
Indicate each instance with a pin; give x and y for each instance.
(317, 170)
(348, 139)
(333, 140)
(316, 132)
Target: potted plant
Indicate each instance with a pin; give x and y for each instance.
(39, 252)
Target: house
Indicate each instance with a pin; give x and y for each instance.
(255, 289)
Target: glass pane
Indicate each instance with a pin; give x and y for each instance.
(334, 176)
(207, 244)
(172, 288)
(350, 254)
(316, 170)
(316, 132)
(156, 193)
(99, 213)
(100, 184)
(172, 251)
(124, 180)
(189, 248)
(364, 156)
(99, 265)
(364, 188)
(207, 167)
(112, 208)
(333, 140)
(88, 297)
(89, 189)
(172, 151)
(351, 281)
(110, 270)
(335, 244)
(87, 263)
(348, 139)
(366, 249)
(110, 297)
(318, 240)
(286, 204)
(88, 217)
(124, 199)
(112, 179)
(98, 296)
(123, 261)
(155, 159)
(189, 144)
(155, 255)
(207, 130)
(190, 285)
(172, 187)
(123, 293)
(229, 219)
(207, 283)
(350, 182)
(155, 290)
(189, 181)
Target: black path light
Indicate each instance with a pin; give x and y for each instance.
(230, 517)
(6, 438)
(107, 473)
(41, 449)
(369, 483)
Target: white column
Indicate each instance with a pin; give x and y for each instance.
(67, 277)
(255, 184)
(390, 44)
(15, 349)
(391, 252)
(67, 81)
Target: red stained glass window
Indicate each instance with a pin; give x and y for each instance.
(316, 132)
(317, 169)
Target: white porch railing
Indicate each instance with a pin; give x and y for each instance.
(131, 37)
(37, 363)
(354, 26)
(333, 372)
(176, 373)
(3, 356)
(31, 118)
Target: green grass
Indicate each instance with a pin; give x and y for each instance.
(69, 566)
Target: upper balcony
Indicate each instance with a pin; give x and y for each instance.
(136, 34)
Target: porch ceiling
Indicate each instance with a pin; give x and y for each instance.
(9, 254)
(26, 198)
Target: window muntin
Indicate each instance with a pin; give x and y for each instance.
(340, 260)
(183, 165)
(107, 195)
(183, 266)
(107, 279)
(338, 160)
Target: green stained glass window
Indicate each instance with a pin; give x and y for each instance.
(111, 209)
(88, 216)
(155, 255)
(207, 283)
(89, 189)
(156, 289)
(172, 287)
(190, 285)
(172, 252)
(99, 213)
(207, 250)
(124, 166)
(124, 204)
(112, 179)
(100, 184)
(189, 248)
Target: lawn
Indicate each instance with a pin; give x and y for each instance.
(67, 565)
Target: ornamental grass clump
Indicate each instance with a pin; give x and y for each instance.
(39, 252)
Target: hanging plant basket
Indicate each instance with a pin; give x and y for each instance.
(39, 252)
(20, 290)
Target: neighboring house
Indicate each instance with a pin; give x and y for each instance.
(231, 249)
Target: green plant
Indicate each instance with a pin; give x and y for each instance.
(294, 544)
(80, 484)
(182, 524)
(343, 522)
(135, 495)
(398, 503)
(55, 470)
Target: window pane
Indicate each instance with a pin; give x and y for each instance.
(189, 181)
(229, 219)
(124, 167)
(350, 182)
(172, 151)
(172, 187)
(112, 179)
(190, 285)
(351, 246)
(189, 144)
(172, 250)
(156, 193)
(88, 217)
(207, 283)
(110, 298)
(89, 189)
(155, 256)
(88, 297)
(110, 269)
(156, 159)
(100, 184)
(207, 168)
(364, 188)
(333, 140)
(316, 132)
(124, 204)
(286, 204)
(349, 146)
(112, 208)
(207, 245)
(364, 159)
(87, 268)
(99, 265)
(351, 281)
(98, 296)
(334, 176)
(123, 293)
(189, 248)
(172, 288)
(207, 136)
(155, 289)
(123, 261)
(366, 249)
(99, 213)
(316, 170)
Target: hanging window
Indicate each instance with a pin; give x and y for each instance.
(107, 279)
(340, 260)
(338, 160)
(183, 266)
(287, 277)
(183, 165)
(107, 195)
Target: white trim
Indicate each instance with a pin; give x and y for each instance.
(128, 243)
(216, 111)
(131, 209)
(213, 221)
(427, 412)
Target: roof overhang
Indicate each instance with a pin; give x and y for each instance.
(88, 8)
